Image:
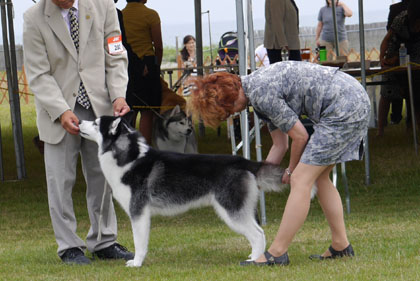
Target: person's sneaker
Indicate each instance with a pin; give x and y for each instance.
(115, 251)
(74, 256)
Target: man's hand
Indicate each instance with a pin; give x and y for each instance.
(120, 107)
(70, 122)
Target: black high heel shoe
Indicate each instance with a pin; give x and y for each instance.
(347, 252)
(271, 260)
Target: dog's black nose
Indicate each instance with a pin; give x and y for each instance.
(80, 122)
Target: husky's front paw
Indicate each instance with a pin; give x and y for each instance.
(132, 263)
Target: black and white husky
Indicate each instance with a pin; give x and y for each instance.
(174, 131)
(146, 182)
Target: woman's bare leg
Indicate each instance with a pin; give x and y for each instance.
(331, 204)
(297, 207)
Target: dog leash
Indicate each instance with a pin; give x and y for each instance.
(186, 92)
(151, 108)
(99, 238)
(101, 210)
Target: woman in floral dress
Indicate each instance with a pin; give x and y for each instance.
(338, 106)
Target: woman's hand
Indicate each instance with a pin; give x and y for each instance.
(286, 176)
(388, 62)
(347, 11)
(145, 70)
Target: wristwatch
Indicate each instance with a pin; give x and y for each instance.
(288, 172)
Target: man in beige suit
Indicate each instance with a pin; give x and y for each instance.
(76, 73)
(281, 29)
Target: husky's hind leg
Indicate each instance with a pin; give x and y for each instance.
(243, 222)
(141, 229)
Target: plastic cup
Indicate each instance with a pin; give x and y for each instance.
(306, 54)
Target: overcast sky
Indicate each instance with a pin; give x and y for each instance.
(177, 16)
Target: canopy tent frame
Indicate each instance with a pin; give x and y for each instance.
(9, 49)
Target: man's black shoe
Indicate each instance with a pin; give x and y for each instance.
(74, 256)
(115, 251)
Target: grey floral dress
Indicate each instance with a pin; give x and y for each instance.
(336, 102)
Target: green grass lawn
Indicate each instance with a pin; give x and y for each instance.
(383, 225)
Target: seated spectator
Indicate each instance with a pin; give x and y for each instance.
(187, 55)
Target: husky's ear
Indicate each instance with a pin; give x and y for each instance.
(129, 116)
(114, 126)
(176, 110)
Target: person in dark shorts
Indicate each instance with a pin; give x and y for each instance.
(144, 91)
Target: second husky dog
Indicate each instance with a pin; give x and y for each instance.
(146, 182)
(173, 131)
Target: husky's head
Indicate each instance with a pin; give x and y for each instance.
(176, 125)
(115, 134)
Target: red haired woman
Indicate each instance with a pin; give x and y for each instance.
(338, 106)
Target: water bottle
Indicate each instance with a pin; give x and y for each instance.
(322, 53)
(403, 55)
(284, 54)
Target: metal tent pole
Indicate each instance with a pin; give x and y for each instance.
(1, 158)
(12, 83)
(199, 50)
(211, 49)
(242, 72)
(256, 119)
(337, 49)
(251, 36)
(413, 113)
(363, 74)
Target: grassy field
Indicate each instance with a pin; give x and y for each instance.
(383, 225)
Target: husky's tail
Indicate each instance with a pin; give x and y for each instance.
(269, 178)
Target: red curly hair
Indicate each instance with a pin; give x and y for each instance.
(213, 97)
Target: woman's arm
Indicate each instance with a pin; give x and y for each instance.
(279, 147)
(318, 32)
(347, 11)
(157, 42)
(299, 137)
(384, 46)
(386, 61)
